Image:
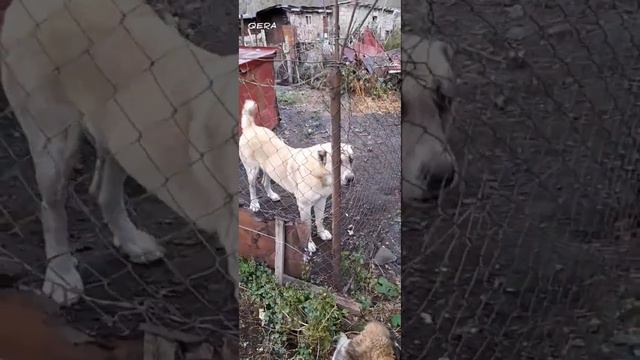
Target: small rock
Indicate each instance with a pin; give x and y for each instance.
(626, 339)
(384, 256)
(516, 59)
(350, 230)
(577, 343)
(518, 32)
(515, 11)
(560, 29)
(500, 101)
(427, 318)
(594, 325)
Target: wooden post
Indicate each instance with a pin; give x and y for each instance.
(336, 150)
(280, 248)
(242, 29)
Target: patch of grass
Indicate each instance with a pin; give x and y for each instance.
(288, 98)
(395, 320)
(302, 325)
(393, 41)
(366, 287)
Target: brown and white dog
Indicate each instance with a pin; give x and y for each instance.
(373, 343)
(428, 90)
(307, 173)
(155, 105)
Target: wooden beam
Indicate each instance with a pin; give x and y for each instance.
(345, 303)
(280, 243)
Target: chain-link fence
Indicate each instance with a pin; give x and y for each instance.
(156, 107)
(533, 254)
(297, 154)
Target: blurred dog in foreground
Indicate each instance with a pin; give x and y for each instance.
(154, 105)
(373, 343)
(307, 173)
(428, 90)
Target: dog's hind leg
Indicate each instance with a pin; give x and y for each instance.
(305, 217)
(138, 245)
(266, 182)
(252, 177)
(318, 209)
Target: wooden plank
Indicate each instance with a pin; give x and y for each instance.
(345, 303)
(280, 241)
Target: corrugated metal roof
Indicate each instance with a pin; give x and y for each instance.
(247, 54)
(250, 8)
(298, 9)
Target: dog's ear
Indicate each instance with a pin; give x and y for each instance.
(448, 51)
(322, 156)
(349, 149)
(442, 100)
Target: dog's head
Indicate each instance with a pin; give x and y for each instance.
(374, 342)
(346, 169)
(428, 90)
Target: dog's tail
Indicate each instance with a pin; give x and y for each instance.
(249, 111)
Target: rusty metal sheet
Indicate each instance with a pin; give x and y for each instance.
(368, 45)
(248, 54)
(256, 241)
(257, 82)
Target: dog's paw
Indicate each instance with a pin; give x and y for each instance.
(141, 247)
(255, 205)
(311, 247)
(325, 235)
(274, 197)
(62, 282)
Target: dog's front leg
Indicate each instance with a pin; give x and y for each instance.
(318, 209)
(305, 217)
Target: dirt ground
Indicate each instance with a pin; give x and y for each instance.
(534, 255)
(371, 205)
(188, 291)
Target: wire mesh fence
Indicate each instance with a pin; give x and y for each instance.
(155, 107)
(533, 253)
(299, 156)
